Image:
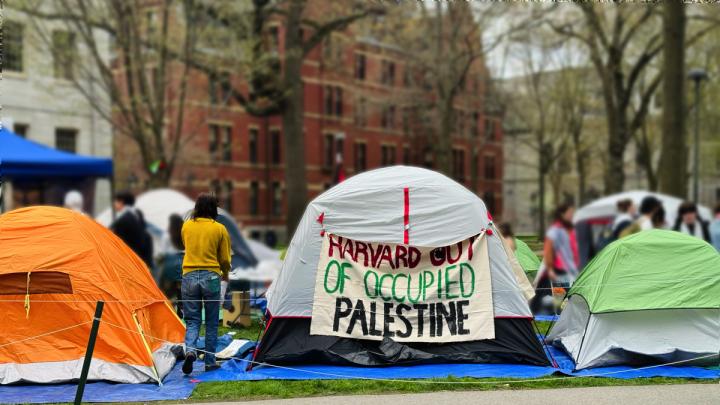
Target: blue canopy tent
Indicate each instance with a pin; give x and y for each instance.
(30, 164)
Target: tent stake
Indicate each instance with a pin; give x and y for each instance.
(89, 352)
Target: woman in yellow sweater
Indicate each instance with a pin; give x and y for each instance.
(206, 261)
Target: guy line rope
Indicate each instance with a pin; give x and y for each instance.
(427, 381)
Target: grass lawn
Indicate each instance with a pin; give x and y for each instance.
(246, 390)
(269, 389)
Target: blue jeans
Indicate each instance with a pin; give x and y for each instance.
(201, 287)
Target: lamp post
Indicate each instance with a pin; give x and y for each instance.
(697, 75)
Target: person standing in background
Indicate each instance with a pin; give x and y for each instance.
(688, 221)
(508, 236)
(206, 261)
(715, 228)
(130, 226)
(624, 218)
(170, 261)
(561, 257)
(652, 216)
(658, 219)
(648, 207)
(74, 201)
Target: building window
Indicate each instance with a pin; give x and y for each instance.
(327, 48)
(361, 112)
(360, 63)
(220, 142)
(328, 151)
(254, 198)
(333, 100)
(406, 121)
(489, 167)
(387, 119)
(64, 54)
(276, 157)
(338, 101)
(226, 132)
(388, 73)
(12, 46)
(21, 129)
(339, 149)
(360, 155)
(387, 155)
(460, 122)
(407, 76)
(406, 155)
(66, 139)
(489, 200)
(489, 130)
(458, 165)
(220, 88)
(228, 195)
(253, 145)
(274, 38)
(475, 125)
(428, 158)
(276, 198)
(215, 188)
(214, 142)
(328, 100)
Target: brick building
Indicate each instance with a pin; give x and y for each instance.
(356, 108)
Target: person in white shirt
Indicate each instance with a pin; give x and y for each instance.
(649, 206)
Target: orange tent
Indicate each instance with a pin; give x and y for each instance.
(55, 264)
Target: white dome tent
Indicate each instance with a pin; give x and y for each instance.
(157, 206)
(399, 205)
(593, 221)
(606, 207)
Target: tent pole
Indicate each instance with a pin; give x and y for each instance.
(89, 352)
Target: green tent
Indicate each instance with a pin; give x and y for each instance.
(650, 297)
(527, 258)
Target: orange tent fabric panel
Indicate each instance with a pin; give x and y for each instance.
(73, 262)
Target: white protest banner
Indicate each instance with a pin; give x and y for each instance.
(371, 291)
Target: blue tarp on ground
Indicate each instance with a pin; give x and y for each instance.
(177, 387)
(547, 318)
(235, 371)
(21, 159)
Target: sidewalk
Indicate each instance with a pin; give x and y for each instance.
(696, 394)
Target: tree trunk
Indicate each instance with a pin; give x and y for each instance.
(617, 142)
(581, 171)
(645, 155)
(672, 172)
(292, 119)
(541, 203)
(443, 143)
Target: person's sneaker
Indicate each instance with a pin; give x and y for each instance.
(212, 367)
(188, 364)
(178, 352)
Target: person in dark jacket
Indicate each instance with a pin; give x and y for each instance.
(689, 222)
(129, 225)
